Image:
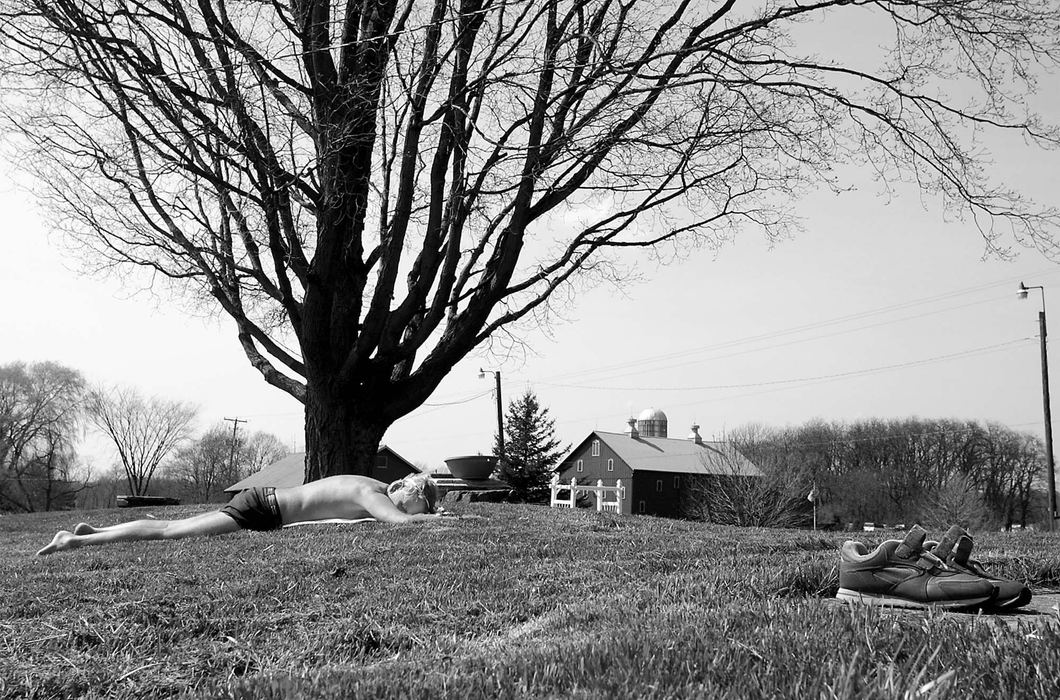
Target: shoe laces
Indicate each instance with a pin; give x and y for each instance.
(932, 559)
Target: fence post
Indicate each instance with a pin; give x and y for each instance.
(553, 484)
(599, 495)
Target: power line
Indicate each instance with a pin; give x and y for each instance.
(838, 320)
(956, 355)
(468, 399)
(731, 397)
(804, 380)
(788, 387)
(774, 385)
(777, 384)
(745, 351)
(782, 385)
(776, 334)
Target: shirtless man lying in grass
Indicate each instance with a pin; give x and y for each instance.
(413, 499)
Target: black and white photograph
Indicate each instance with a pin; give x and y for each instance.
(529, 349)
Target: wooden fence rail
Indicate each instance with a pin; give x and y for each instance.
(599, 490)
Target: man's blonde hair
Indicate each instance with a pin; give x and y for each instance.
(428, 488)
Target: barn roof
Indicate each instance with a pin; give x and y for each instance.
(289, 471)
(682, 456)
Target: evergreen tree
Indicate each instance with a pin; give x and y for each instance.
(531, 449)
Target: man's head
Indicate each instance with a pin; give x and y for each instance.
(414, 494)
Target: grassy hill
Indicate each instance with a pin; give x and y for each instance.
(526, 602)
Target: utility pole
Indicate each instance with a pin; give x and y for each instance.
(500, 415)
(232, 452)
(1049, 465)
(500, 410)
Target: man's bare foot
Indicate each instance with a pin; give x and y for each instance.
(62, 541)
(84, 529)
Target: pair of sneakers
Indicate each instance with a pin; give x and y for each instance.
(920, 573)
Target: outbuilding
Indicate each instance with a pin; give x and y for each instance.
(659, 472)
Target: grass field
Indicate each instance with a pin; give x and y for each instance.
(526, 602)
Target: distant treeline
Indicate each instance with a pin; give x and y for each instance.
(104, 491)
(935, 472)
(45, 409)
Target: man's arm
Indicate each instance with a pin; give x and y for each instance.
(380, 507)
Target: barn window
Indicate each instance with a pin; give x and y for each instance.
(596, 448)
(380, 462)
(610, 465)
(658, 485)
(641, 506)
(677, 482)
(580, 465)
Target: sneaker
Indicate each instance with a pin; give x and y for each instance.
(902, 573)
(955, 549)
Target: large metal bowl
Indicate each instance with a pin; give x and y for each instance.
(472, 467)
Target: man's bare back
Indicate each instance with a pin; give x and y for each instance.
(348, 497)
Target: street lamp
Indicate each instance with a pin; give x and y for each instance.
(500, 413)
(1022, 293)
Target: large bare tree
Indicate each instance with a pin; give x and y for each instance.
(373, 188)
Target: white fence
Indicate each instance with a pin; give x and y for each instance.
(600, 491)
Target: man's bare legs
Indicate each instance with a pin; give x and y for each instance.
(84, 535)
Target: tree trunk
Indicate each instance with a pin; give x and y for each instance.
(342, 436)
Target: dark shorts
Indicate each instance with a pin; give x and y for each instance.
(255, 509)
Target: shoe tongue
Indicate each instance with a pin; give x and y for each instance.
(912, 544)
(963, 550)
(949, 540)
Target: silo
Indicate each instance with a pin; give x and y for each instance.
(652, 423)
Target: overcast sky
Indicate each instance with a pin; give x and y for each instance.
(882, 307)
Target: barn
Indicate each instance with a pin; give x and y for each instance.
(659, 472)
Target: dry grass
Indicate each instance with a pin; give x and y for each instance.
(527, 602)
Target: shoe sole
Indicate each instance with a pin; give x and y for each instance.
(1010, 604)
(896, 602)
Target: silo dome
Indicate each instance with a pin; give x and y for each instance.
(651, 423)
